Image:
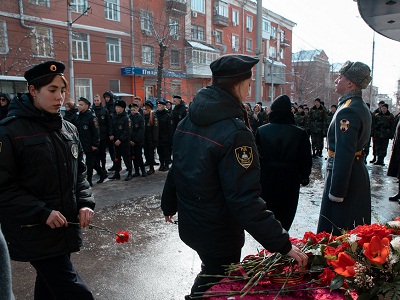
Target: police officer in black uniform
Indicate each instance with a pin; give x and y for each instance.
(89, 134)
(137, 140)
(165, 135)
(121, 136)
(179, 111)
(43, 185)
(214, 180)
(103, 117)
(110, 106)
(150, 135)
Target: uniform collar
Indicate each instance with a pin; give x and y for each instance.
(351, 94)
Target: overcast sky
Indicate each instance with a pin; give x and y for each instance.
(336, 27)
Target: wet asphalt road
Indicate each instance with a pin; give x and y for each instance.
(155, 264)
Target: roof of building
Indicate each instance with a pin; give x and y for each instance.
(308, 55)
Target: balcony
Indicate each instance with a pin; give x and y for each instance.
(198, 57)
(285, 43)
(176, 6)
(220, 20)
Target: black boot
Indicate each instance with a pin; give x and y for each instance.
(379, 162)
(136, 174)
(129, 176)
(373, 160)
(150, 171)
(395, 197)
(90, 181)
(116, 176)
(103, 176)
(161, 168)
(143, 169)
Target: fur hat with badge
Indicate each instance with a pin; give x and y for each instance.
(149, 104)
(357, 72)
(120, 103)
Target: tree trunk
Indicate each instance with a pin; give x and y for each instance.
(160, 68)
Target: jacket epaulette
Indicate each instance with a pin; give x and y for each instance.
(347, 103)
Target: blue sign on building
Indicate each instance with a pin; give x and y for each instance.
(151, 72)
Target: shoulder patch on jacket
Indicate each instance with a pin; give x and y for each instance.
(344, 125)
(244, 156)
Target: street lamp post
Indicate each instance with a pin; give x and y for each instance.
(70, 56)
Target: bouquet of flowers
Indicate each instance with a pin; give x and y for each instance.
(362, 263)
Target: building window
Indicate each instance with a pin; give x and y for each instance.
(273, 32)
(235, 43)
(174, 26)
(3, 38)
(80, 46)
(45, 3)
(146, 21)
(148, 55)
(198, 5)
(175, 89)
(272, 52)
(175, 61)
(235, 17)
(249, 23)
(249, 45)
(218, 37)
(282, 53)
(265, 25)
(115, 85)
(113, 49)
(78, 6)
(42, 42)
(197, 33)
(111, 10)
(221, 9)
(83, 88)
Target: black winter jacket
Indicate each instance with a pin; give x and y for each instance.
(121, 128)
(104, 119)
(41, 169)
(166, 131)
(89, 131)
(150, 130)
(178, 113)
(214, 180)
(72, 116)
(137, 135)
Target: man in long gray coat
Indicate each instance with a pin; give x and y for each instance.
(346, 201)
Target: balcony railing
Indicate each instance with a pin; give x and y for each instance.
(178, 6)
(220, 20)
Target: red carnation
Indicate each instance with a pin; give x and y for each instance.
(122, 236)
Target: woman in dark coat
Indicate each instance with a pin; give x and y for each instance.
(394, 164)
(213, 183)
(4, 103)
(285, 158)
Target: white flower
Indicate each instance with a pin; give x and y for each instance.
(314, 251)
(394, 224)
(396, 244)
(353, 238)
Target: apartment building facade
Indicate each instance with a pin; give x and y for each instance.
(148, 48)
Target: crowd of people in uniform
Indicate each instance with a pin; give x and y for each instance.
(315, 121)
(127, 132)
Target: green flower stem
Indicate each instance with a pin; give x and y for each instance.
(100, 228)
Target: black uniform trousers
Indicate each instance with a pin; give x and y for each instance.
(149, 154)
(101, 153)
(137, 157)
(212, 266)
(92, 163)
(317, 140)
(56, 278)
(164, 154)
(111, 149)
(122, 151)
